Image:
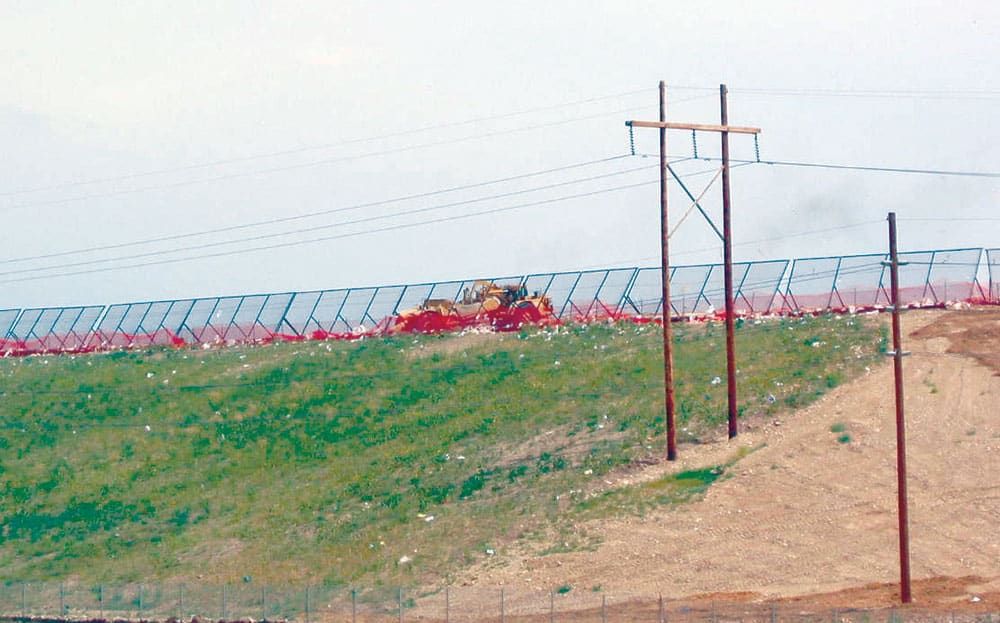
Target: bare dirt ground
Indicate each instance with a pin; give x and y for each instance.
(808, 519)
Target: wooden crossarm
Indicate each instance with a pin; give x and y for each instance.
(704, 127)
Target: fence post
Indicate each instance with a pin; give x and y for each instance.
(140, 602)
(354, 605)
(223, 599)
(552, 605)
(399, 597)
(263, 604)
(774, 613)
(100, 598)
(62, 601)
(23, 600)
(180, 601)
(501, 605)
(604, 609)
(447, 605)
(661, 618)
(307, 603)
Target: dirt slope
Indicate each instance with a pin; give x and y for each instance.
(808, 513)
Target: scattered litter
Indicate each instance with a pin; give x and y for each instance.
(404, 559)
(716, 381)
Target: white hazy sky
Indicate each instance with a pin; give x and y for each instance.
(112, 91)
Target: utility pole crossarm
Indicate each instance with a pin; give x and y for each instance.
(704, 127)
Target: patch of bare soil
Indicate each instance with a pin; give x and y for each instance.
(810, 517)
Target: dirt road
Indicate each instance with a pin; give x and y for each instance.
(813, 509)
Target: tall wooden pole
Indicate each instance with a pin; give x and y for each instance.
(897, 364)
(668, 349)
(727, 260)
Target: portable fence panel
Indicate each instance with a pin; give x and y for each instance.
(45, 337)
(325, 314)
(584, 301)
(353, 312)
(753, 283)
(106, 333)
(538, 284)
(993, 274)
(194, 324)
(8, 317)
(951, 274)
(161, 324)
(221, 323)
(297, 319)
(271, 314)
(72, 330)
(243, 324)
(860, 280)
(758, 290)
(414, 296)
(23, 330)
(611, 294)
(644, 295)
(560, 290)
(383, 305)
(689, 288)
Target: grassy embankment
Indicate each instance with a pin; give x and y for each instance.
(329, 462)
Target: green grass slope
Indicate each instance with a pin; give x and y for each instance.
(331, 462)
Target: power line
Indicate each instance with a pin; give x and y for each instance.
(875, 93)
(316, 163)
(871, 168)
(322, 146)
(347, 235)
(367, 219)
(946, 94)
(307, 215)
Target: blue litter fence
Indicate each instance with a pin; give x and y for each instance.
(795, 286)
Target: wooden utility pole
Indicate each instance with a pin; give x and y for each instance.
(668, 373)
(897, 365)
(727, 262)
(668, 336)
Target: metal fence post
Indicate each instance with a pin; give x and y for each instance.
(604, 609)
(399, 597)
(552, 605)
(62, 601)
(307, 603)
(140, 602)
(224, 601)
(23, 600)
(354, 605)
(263, 604)
(100, 598)
(447, 605)
(501, 606)
(180, 601)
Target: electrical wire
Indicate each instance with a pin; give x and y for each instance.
(311, 164)
(322, 146)
(307, 215)
(850, 167)
(350, 234)
(272, 235)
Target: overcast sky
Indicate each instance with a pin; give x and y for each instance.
(122, 122)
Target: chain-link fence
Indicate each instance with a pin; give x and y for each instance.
(776, 286)
(134, 602)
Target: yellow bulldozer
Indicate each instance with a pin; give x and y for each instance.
(486, 297)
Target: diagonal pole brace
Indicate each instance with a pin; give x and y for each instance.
(695, 200)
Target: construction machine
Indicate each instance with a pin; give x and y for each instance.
(503, 306)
